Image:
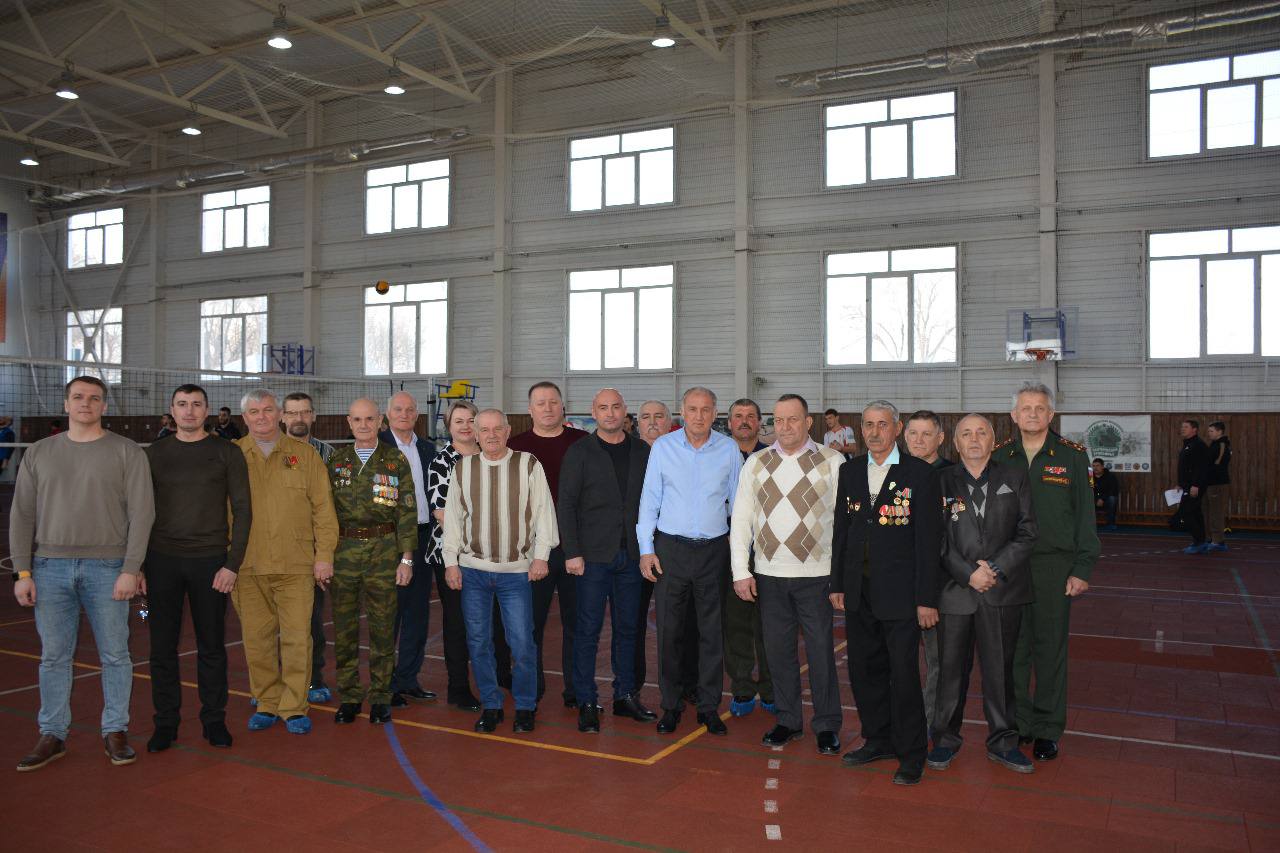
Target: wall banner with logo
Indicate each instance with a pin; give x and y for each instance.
(1123, 442)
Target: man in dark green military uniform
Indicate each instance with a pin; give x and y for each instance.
(1063, 558)
(378, 526)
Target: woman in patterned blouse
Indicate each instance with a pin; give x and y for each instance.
(462, 442)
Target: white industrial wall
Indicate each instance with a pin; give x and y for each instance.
(1108, 197)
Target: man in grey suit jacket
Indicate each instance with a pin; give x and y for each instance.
(989, 529)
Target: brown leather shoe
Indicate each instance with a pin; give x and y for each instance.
(118, 749)
(48, 748)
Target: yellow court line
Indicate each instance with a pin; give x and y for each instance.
(16, 622)
(836, 650)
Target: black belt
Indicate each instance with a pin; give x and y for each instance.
(375, 532)
(692, 542)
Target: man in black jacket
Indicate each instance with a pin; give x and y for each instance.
(1215, 497)
(600, 482)
(1106, 491)
(1193, 479)
(989, 529)
(885, 576)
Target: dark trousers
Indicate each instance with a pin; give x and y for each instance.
(616, 583)
(317, 639)
(170, 580)
(1193, 515)
(1042, 650)
(995, 631)
(1109, 506)
(933, 665)
(884, 671)
(690, 572)
(456, 654)
(744, 645)
(413, 617)
(688, 646)
(556, 581)
(800, 606)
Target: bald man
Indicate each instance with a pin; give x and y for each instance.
(373, 493)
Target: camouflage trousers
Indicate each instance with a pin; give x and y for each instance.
(364, 577)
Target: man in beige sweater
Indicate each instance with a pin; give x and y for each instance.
(499, 529)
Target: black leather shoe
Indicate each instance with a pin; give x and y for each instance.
(908, 775)
(588, 719)
(1023, 740)
(379, 713)
(829, 743)
(669, 722)
(865, 754)
(465, 702)
(1045, 749)
(347, 712)
(489, 719)
(398, 701)
(524, 721)
(570, 701)
(780, 735)
(418, 694)
(630, 706)
(217, 734)
(714, 724)
(162, 738)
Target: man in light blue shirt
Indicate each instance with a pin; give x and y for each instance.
(683, 533)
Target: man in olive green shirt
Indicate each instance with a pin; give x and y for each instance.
(1061, 562)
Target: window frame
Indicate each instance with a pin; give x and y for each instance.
(364, 210)
(111, 376)
(66, 257)
(448, 329)
(635, 369)
(636, 205)
(236, 250)
(222, 368)
(871, 183)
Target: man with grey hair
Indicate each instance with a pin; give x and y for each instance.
(1066, 549)
(683, 534)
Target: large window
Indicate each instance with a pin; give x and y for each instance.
(95, 239)
(89, 341)
(1229, 102)
(897, 305)
(891, 139)
(232, 332)
(406, 329)
(622, 169)
(620, 318)
(1215, 292)
(415, 195)
(236, 219)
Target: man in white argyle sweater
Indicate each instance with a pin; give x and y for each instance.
(784, 509)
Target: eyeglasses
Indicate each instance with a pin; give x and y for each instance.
(296, 414)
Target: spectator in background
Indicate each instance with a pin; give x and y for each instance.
(1193, 477)
(56, 427)
(629, 424)
(1215, 498)
(225, 427)
(166, 426)
(839, 437)
(7, 436)
(1106, 492)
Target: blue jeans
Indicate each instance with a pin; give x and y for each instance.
(63, 587)
(515, 602)
(617, 582)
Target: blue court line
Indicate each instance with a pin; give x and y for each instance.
(428, 797)
(1259, 631)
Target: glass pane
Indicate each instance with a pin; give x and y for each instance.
(407, 206)
(1256, 65)
(93, 246)
(425, 290)
(647, 276)
(585, 182)
(258, 225)
(232, 343)
(654, 329)
(941, 258)
(1175, 123)
(114, 315)
(1190, 73)
(377, 210)
(596, 146)
(1270, 308)
(941, 103)
(435, 203)
(1255, 239)
(657, 177)
(1229, 307)
(935, 320)
(889, 319)
(75, 248)
(211, 231)
(75, 341)
(1271, 112)
(846, 156)
(377, 335)
(110, 216)
(111, 343)
(211, 343)
(252, 303)
(254, 195)
(1231, 116)
(82, 220)
(620, 180)
(847, 114)
(215, 307)
(433, 337)
(593, 279)
(1175, 309)
(889, 152)
(620, 329)
(404, 338)
(428, 170)
(395, 293)
(647, 140)
(584, 331)
(847, 320)
(933, 147)
(255, 335)
(113, 249)
(233, 231)
(850, 263)
(1189, 243)
(386, 175)
(223, 199)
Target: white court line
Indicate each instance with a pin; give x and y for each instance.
(773, 832)
(775, 763)
(771, 806)
(771, 784)
(1180, 591)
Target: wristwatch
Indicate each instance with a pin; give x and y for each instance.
(405, 562)
(21, 575)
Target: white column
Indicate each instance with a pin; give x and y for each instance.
(742, 209)
(310, 218)
(1047, 372)
(155, 260)
(501, 235)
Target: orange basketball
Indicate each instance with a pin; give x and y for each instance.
(382, 287)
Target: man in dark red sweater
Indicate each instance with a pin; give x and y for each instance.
(548, 441)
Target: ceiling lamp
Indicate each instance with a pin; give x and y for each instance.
(662, 31)
(29, 158)
(393, 86)
(280, 32)
(66, 87)
(192, 127)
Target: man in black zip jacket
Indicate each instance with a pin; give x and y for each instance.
(1193, 479)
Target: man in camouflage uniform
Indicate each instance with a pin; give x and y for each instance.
(378, 526)
(1066, 549)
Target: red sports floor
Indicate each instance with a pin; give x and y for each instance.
(1173, 742)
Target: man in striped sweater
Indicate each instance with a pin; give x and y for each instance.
(499, 529)
(784, 509)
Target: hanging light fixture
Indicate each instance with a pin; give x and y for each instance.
(280, 32)
(662, 31)
(29, 158)
(192, 127)
(394, 78)
(66, 86)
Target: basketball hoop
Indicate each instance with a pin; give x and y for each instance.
(1038, 354)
